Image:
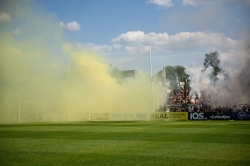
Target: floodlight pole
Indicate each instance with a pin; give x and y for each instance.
(19, 111)
(151, 79)
(69, 89)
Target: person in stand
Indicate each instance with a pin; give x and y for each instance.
(223, 109)
(234, 109)
(210, 109)
(190, 109)
(198, 106)
(219, 109)
(195, 109)
(164, 108)
(244, 108)
(248, 107)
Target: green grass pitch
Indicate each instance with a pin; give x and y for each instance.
(126, 143)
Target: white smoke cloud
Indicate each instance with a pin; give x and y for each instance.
(231, 89)
(194, 69)
(71, 26)
(4, 17)
(163, 3)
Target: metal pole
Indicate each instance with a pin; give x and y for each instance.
(151, 79)
(69, 89)
(69, 110)
(19, 110)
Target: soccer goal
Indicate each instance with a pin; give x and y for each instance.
(124, 85)
(137, 71)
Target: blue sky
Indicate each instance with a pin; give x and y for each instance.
(178, 32)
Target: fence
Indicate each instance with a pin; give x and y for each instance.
(33, 117)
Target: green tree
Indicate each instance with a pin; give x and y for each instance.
(213, 61)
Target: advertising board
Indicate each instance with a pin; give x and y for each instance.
(128, 116)
(241, 115)
(209, 115)
(218, 115)
(197, 116)
(169, 116)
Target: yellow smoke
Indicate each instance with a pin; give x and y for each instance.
(92, 89)
(35, 66)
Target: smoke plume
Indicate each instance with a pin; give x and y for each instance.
(231, 89)
(40, 73)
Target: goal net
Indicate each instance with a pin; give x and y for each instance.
(97, 90)
(101, 87)
(133, 67)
